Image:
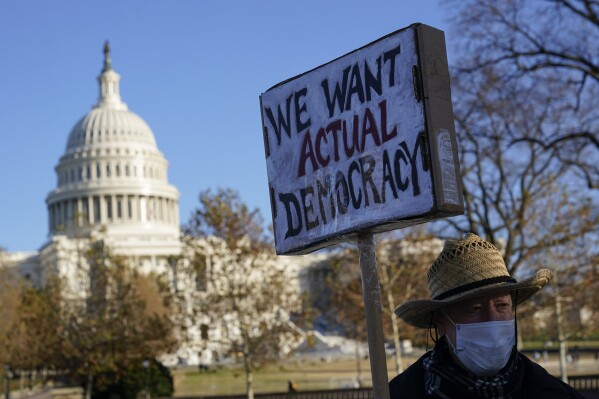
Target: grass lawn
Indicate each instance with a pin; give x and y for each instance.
(540, 345)
(307, 375)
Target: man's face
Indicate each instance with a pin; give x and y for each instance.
(478, 310)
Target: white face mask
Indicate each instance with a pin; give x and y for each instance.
(484, 348)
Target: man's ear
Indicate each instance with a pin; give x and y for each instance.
(438, 321)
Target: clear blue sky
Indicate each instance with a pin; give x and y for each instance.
(193, 70)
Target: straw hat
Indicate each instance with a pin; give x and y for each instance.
(466, 269)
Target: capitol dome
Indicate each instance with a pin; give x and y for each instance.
(103, 125)
(112, 177)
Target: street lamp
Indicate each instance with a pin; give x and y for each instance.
(146, 365)
(561, 337)
(6, 381)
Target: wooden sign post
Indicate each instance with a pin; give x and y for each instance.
(371, 290)
(360, 145)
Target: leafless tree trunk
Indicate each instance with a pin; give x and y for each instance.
(247, 365)
(391, 308)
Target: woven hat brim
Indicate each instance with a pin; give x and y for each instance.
(418, 313)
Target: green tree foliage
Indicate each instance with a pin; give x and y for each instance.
(149, 379)
(110, 329)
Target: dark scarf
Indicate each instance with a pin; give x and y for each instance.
(444, 379)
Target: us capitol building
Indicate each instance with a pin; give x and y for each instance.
(112, 184)
(111, 180)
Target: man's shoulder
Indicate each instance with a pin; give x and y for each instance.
(410, 383)
(543, 384)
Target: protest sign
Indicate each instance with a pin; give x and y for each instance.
(365, 142)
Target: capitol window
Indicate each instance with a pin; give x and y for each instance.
(58, 214)
(108, 207)
(96, 209)
(85, 210)
(129, 207)
(119, 207)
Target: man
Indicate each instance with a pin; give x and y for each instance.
(472, 305)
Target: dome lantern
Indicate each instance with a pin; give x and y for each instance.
(109, 84)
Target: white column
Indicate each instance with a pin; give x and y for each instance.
(152, 207)
(50, 219)
(90, 209)
(113, 202)
(135, 208)
(65, 213)
(103, 209)
(57, 214)
(95, 218)
(138, 217)
(142, 209)
(59, 221)
(68, 213)
(169, 212)
(158, 209)
(79, 212)
(162, 210)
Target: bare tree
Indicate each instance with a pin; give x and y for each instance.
(574, 286)
(514, 190)
(341, 304)
(547, 46)
(402, 260)
(526, 100)
(247, 295)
